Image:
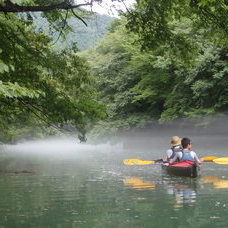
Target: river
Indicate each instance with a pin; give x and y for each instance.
(62, 183)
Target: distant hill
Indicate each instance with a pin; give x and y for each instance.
(85, 36)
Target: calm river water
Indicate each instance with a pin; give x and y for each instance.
(62, 183)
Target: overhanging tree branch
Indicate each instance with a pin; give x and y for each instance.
(78, 17)
(10, 7)
(64, 24)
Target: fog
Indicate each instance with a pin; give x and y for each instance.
(153, 141)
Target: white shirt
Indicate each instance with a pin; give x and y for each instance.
(169, 153)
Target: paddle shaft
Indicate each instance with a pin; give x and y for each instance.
(205, 159)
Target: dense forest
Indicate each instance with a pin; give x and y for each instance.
(173, 67)
(159, 61)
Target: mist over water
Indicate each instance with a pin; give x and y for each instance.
(146, 144)
(59, 146)
(155, 137)
(149, 143)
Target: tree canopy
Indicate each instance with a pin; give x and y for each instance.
(155, 22)
(41, 87)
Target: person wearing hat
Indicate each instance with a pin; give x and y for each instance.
(187, 153)
(175, 148)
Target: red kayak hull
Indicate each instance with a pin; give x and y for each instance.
(184, 168)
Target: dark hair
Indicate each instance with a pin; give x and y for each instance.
(185, 142)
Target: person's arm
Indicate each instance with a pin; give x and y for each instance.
(196, 159)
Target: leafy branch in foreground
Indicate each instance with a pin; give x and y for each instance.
(13, 90)
(41, 87)
(8, 6)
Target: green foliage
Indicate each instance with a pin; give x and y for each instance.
(13, 90)
(182, 71)
(138, 87)
(39, 86)
(129, 81)
(201, 90)
(156, 22)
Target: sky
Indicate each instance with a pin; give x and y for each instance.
(109, 7)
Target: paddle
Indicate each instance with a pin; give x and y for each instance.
(222, 161)
(208, 158)
(135, 161)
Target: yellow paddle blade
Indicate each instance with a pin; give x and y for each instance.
(222, 161)
(208, 158)
(137, 162)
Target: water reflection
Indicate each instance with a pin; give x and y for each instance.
(139, 183)
(185, 194)
(215, 181)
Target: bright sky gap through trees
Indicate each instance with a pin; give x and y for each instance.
(109, 7)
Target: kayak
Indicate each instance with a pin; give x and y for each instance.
(184, 168)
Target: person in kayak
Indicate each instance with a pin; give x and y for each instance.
(186, 154)
(175, 147)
